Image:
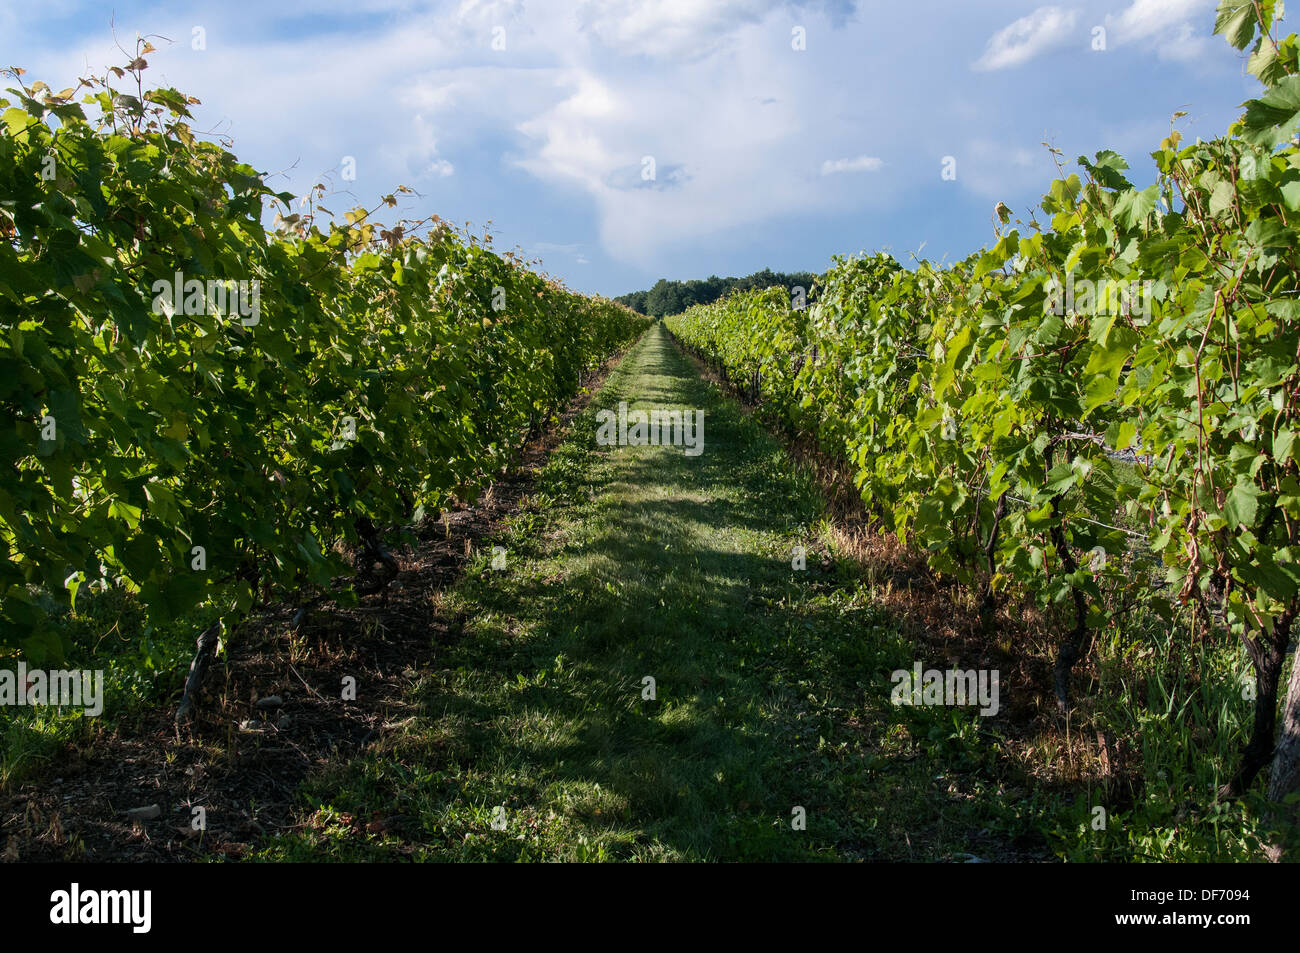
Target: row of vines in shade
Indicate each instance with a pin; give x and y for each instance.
(300, 387)
(1135, 440)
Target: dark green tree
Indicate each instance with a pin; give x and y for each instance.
(664, 298)
(673, 297)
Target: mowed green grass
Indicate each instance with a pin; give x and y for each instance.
(532, 737)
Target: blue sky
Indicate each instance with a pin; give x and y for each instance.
(538, 116)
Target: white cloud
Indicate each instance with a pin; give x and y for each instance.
(417, 152)
(860, 164)
(1183, 44)
(690, 28)
(432, 95)
(571, 148)
(670, 27)
(724, 160)
(1044, 29)
(1169, 27)
(1149, 17)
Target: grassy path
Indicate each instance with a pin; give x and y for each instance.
(771, 684)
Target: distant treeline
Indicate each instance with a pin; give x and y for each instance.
(674, 297)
